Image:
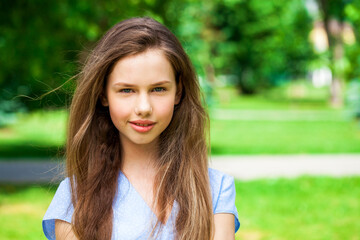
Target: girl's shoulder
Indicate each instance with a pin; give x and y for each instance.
(60, 208)
(223, 194)
(217, 178)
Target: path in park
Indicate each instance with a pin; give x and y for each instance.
(288, 166)
(241, 167)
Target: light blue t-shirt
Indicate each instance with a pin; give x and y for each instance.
(132, 216)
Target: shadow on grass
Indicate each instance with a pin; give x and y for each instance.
(29, 151)
(8, 188)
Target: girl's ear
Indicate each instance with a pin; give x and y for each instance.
(178, 93)
(104, 100)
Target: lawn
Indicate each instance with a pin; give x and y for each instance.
(21, 211)
(275, 123)
(290, 137)
(311, 208)
(37, 134)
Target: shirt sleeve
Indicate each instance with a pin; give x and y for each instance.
(223, 193)
(60, 208)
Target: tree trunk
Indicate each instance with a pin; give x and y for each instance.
(336, 83)
(334, 29)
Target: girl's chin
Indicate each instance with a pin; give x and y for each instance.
(140, 142)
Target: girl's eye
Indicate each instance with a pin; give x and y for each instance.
(159, 89)
(125, 90)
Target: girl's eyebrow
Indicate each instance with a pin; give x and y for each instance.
(123, 84)
(161, 83)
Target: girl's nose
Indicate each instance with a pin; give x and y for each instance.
(143, 107)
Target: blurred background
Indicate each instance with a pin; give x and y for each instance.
(280, 77)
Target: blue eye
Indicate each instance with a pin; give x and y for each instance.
(125, 90)
(159, 89)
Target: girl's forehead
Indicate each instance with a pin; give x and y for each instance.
(148, 66)
(150, 55)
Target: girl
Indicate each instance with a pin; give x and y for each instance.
(136, 150)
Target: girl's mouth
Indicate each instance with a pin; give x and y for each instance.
(142, 125)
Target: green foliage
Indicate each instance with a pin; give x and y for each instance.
(352, 51)
(257, 43)
(43, 43)
(262, 42)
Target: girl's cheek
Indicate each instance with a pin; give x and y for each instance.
(122, 106)
(166, 109)
(123, 111)
(120, 111)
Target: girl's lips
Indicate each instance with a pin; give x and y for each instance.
(142, 125)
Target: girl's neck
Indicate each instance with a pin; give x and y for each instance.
(138, 160)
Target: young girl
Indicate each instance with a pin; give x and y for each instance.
(136, 152)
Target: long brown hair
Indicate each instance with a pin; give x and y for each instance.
(93, 146)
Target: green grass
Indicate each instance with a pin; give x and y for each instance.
(284, 97)
(38, 134)
(272, 137)
(292, 119)
(311, 208)
(21, 211)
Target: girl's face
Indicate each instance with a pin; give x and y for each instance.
(141, 94)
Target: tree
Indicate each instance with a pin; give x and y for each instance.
(43, 43)
(262, 42)
(333, 17)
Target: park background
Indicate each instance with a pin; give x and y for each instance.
(278, 76)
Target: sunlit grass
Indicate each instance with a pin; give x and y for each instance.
(291, 119)
(21, 211)
(291, 137)
(40, 128)
(293, 95)
(304, 208)
(36, 134)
